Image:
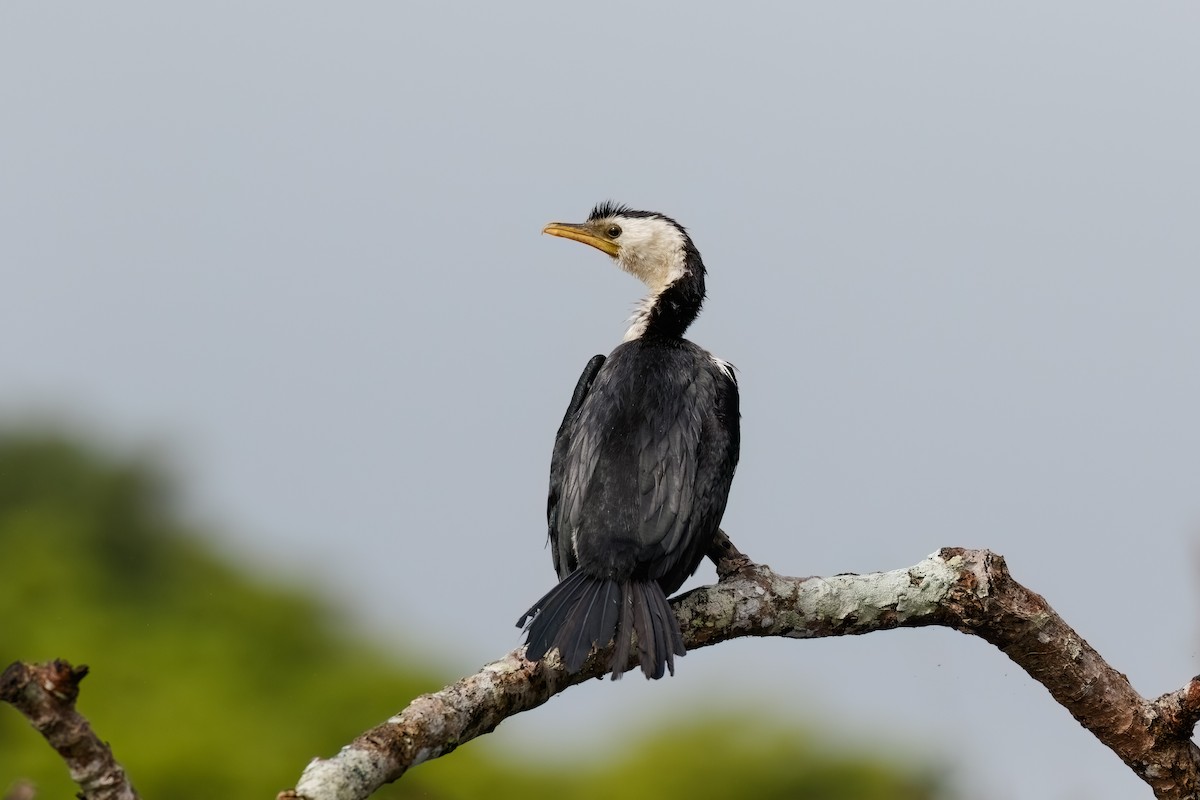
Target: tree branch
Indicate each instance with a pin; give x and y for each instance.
(968, 590)
(46, 694)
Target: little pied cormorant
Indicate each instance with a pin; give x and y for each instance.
(642, 462)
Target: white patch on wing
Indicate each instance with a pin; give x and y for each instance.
(723, 365)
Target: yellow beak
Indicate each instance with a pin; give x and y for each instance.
(581, 233)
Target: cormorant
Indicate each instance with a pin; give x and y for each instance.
(642, 462)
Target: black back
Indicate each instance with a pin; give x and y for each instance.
(643, 462)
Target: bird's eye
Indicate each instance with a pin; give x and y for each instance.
(614, 231)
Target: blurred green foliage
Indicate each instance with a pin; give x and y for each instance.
(210, 684)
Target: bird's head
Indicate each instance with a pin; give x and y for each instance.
(648, 245)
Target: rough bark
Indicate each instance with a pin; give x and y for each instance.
(968, 590)
(46, 694)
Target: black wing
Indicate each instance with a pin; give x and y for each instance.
(647, 464)
(561, 443)
(685, 479)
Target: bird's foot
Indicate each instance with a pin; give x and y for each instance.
(726, 557)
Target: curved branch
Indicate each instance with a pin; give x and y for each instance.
(46, 694)
(968, 590)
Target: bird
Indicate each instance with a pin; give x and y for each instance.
(642, 463)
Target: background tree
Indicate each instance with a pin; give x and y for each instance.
(212, 683)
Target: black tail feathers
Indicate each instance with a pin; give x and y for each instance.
(584, 612)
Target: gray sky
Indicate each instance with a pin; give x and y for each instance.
(952, 249)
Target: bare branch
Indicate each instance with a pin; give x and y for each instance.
(46, 694)
(968, 590)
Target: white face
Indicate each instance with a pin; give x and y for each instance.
(651, 249)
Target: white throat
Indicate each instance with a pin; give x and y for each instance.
(652, 250)
(640, 318)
